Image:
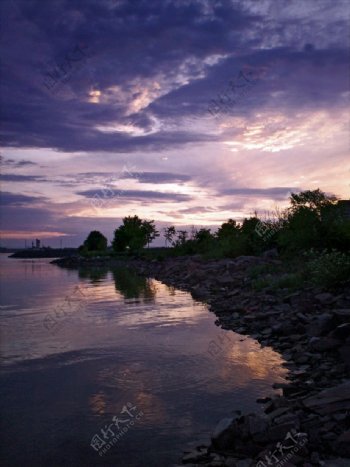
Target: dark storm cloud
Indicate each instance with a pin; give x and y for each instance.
(137, 195)
(14, 199)
(123, 41)
(21, 178)
(126, 40)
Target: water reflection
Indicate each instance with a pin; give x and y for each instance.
(134, 340)
(133, 286)
(95, 275)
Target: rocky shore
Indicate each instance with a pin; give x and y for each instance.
(309, 424)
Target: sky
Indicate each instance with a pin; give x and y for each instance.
(188, 112)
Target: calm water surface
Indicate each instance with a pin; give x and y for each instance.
(77, 348)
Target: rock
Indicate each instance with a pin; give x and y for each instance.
(263, 400)
(341, 332)
(344, 353)
(324, 297)
(342, 314)
(194, 456)
(330, 400)
(256, 424)
(336, 462)
(231, 462)
(244, 463)
(324, 344)
(222, 437)
(273, 253)
(315, 458)
(342, 444)
(277, 412)
(278, 432)
(321, 325)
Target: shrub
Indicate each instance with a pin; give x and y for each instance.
(328, 269)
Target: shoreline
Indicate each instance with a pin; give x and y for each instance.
(309, 424)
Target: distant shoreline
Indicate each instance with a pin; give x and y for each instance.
(44, 253)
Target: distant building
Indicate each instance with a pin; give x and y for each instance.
(37, 243)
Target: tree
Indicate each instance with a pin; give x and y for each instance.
(134, 234)
(311, 221)
(95, 241)
(312, 200)
(150, 231)
(203, 236)
(228, 229)
(181, 237)
(169, 234)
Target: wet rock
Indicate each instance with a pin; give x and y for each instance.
(330, 400)
(196, 455)
(263, 400)
(277, 412)
(256, 424)
(222, 437)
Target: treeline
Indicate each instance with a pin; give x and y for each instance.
(312, 220)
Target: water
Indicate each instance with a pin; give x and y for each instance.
(77, 348)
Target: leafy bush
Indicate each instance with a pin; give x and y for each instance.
(328, 269)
